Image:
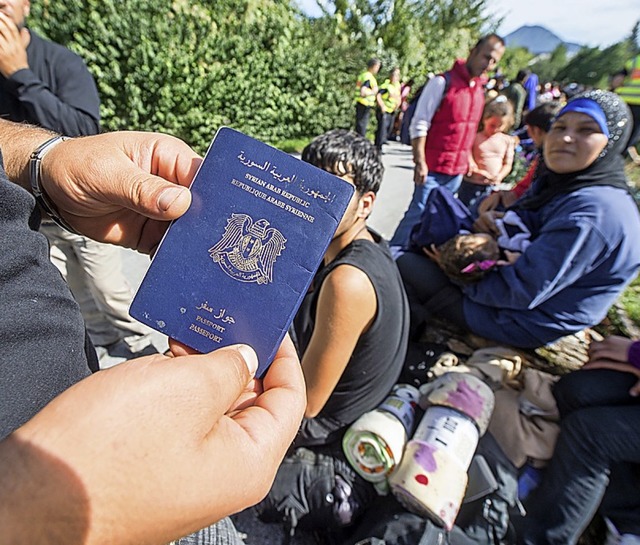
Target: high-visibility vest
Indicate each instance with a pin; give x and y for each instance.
(630, 89)
(369, 100)
(390, 93)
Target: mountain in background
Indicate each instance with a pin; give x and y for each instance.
(538, 39)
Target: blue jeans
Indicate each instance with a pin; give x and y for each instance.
(595, 462)
(418, 201)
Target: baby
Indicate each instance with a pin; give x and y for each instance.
(467, 257)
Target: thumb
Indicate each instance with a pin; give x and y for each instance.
(635, 390)
(222, 376)
(153, 196)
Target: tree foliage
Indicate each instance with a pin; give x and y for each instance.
(189, 66)
(548, 69)
(591, 66)
(514, 60)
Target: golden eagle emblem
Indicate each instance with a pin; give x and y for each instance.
(248, 249)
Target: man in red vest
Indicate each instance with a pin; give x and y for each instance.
(444, 126)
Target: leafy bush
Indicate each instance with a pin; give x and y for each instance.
(261, 66)
(188, 67)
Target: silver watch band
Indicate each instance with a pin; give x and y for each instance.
(43, 200)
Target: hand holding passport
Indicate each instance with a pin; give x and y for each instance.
(235, 267)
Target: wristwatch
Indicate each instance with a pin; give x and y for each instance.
(43, 200)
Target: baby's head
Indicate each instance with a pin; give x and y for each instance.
(468, 258)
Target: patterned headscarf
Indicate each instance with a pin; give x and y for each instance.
(607, 169)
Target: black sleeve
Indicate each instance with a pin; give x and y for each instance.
(42, 334)
(74, 109)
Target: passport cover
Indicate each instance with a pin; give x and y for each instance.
(236, 266)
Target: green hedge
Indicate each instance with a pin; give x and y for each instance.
(188, 67)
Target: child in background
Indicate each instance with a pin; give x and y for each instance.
(492, 152)
(537, 122)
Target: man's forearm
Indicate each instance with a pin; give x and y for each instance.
(417, 146)
(17, 142)
(55, 511)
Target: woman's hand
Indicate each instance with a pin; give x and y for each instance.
(433, 253)
(613, 353)
(486, 223)
(613, 348)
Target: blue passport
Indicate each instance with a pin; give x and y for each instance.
(236, 266)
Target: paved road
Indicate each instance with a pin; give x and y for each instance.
(393, 198)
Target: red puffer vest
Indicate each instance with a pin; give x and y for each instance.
(455, 124)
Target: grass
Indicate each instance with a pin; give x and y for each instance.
(294, 145)
(630, 298)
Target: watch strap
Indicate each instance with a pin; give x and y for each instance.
(35, 177)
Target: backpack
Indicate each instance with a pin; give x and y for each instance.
(411, 109)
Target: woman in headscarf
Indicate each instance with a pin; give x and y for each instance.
(583, 256)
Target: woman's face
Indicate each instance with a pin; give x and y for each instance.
(573, 143)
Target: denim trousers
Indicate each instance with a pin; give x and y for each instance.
(430, 293)
(418, 201)
(596, 462)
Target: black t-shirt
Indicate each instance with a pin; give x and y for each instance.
(377, 359)
(44, 346)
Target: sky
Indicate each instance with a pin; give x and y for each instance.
(586, 22)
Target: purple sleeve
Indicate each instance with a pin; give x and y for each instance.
(634, 354)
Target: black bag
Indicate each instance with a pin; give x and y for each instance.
(316, 489)
(486, 519)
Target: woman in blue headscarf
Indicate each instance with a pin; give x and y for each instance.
(583, 255)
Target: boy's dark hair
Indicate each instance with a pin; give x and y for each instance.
(542, 116)
(373, 62)
(488, 38)
(346, 153)
(522, 75)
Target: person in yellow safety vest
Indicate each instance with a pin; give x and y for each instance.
(389, 99)
(629, 91)
(366, 91)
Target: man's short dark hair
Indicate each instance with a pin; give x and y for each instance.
(489, 38)
(373, 62)
(346, 153)
(523, 75)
